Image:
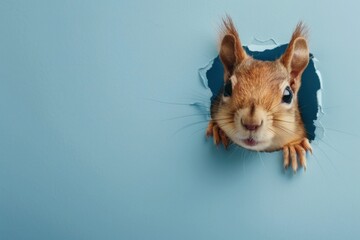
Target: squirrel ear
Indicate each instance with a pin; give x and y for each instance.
(296, 56)
(231, 51)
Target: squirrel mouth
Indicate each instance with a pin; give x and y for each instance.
(250, 142)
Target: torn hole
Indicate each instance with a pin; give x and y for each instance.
(309, 95)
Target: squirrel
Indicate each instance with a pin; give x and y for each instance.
(257, 107)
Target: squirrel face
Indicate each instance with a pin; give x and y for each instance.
(258, 108)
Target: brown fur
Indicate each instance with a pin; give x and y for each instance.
(256, 99)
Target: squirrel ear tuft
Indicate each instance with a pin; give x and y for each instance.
(231, 51)
(296, 56)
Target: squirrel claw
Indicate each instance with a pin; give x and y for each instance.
(218, 135)
(296, 151)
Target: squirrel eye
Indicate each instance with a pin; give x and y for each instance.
(287, 95)
(227, 88)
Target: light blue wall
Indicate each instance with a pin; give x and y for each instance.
(84, 153)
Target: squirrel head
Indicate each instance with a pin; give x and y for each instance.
(258, 107)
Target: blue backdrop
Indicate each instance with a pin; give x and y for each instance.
(93, 146)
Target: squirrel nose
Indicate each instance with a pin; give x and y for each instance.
(251, 126)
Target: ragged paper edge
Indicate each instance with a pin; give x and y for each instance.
(260, 46)
(202, 73)
(320, 131)
(204, 80)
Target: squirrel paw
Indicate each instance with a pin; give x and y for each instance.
(294, 151)
(218, 135)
